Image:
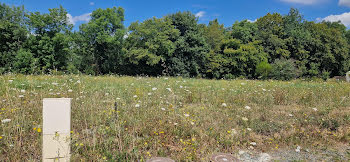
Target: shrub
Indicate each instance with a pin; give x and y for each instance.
(283, 69)
(24, 62)
(263, 70)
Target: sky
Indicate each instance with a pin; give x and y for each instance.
(226, 11)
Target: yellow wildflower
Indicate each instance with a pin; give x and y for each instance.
(39, 130)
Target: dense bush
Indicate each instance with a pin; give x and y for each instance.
(263, 70)
(283, 69)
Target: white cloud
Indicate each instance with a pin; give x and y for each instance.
(84, 18)
(343, 18)
(252, 21)
(304, 2)
(92, 3)
(200, 14)
(344, 3)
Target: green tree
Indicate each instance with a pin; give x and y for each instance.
(149, 45)
(13, 34)
(214, 34)
(244, 31)
(271, 33)
(50, 39)
(191, 52)
(101, 48)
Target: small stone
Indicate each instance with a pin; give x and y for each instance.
(221, 157)
(253, 143)
(264, 157)
(241, 152)
(298, 149)
(160, 159)
(244, 119)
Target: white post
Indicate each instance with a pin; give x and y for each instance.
(348, 76)
(56, 129)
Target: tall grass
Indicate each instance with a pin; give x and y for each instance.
(184, 119)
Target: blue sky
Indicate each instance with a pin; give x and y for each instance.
(227, 11)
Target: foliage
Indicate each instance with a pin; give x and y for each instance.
(263, 70)
(102, 41)
(25, 62)
(191, 52)
(13, 33)
(49, 41)
(175, 45)
(283, 69)
(149, 45)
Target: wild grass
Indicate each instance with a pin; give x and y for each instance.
(184, 119)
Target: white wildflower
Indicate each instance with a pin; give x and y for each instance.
(224, 105)
(169, 89)
(291, 115)
(106, 94)
(78, 81)
(192, 123)
(137, 105)
(21, 96)
(244, 119)
(23, 91)
(247, 107)
(243, 83)
(187, 115)
(298, 149)
(70, 90)
(154, 88)
(55, 83)
(249, 129)
(118, 98)
(135, 96)
(10, 81)
(5, 120)
(175, 123)
(149, 94)
(181, 86)
(163, 109)
(315, 109)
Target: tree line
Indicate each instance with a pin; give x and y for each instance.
(274, 46)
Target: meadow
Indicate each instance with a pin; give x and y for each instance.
(181, 118)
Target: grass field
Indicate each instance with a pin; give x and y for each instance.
(184, 119)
